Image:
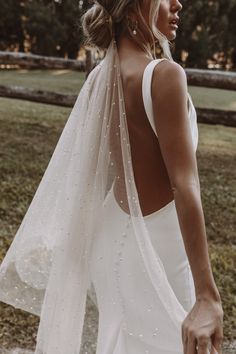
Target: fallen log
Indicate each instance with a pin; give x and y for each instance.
(216, 116)
(212, 78)
(32, 61)
(196, 77)
(40, 96)
(205, 115)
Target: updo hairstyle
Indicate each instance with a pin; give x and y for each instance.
(108, 19)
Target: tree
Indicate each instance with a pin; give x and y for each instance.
(68, 13)
(62, 18)
(52, 27)
(206, 27)
(11, 30)
(43, 27)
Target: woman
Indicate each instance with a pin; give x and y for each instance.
(119, 206)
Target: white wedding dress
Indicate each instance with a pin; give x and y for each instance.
(76, 238)
(130, 319)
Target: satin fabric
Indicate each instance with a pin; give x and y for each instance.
(46, 271)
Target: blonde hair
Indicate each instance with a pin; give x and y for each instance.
(108, 18)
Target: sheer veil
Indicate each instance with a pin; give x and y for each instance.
(45, 271)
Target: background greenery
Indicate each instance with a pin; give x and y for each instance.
(52, 27)
(207, 31)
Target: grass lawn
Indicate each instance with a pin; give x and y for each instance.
(28, 136)
(68, 81)
(65, 81)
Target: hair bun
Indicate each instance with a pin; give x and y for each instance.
(97, 26)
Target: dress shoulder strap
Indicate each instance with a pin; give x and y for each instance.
(146, 90)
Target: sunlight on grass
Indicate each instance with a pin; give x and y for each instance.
(66, 81)
(213, 98)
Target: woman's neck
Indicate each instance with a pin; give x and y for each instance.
(128, 47)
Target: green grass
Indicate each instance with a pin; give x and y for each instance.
(213, 98)
(68, 81)
(28, 135)
(216, 162)
(65, 81)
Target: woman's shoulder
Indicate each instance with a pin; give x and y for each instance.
(169, 69)
(170, 77)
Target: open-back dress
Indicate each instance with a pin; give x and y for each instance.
(76, 239)
(130, 319)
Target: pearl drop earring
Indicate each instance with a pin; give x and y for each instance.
(134, 30)
(133, 25)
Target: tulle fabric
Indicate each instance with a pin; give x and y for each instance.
(45, 271)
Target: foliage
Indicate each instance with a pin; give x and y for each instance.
(206, 27)
(62, 18)
(11, 31)
(68, 14)
(48, 27)
(44, 27)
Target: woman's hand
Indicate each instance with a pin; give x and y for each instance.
(202, 329)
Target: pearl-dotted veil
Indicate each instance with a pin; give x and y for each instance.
(45, 271)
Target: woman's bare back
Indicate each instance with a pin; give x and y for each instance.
(151, 177)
